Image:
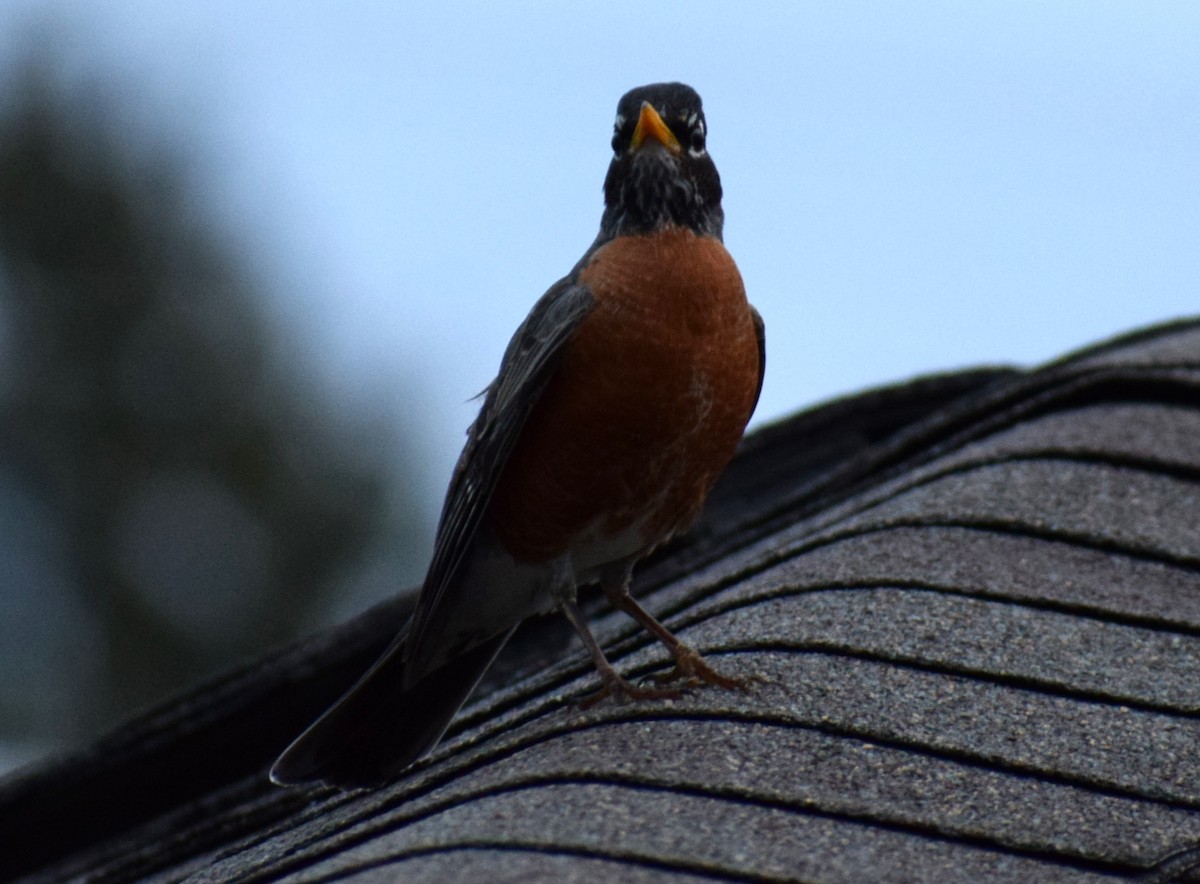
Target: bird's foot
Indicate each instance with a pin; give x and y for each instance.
(623, 690)
(692, 670)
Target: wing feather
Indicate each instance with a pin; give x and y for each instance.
(528, 364)
(760, 332)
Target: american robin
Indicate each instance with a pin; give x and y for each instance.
(619, 401)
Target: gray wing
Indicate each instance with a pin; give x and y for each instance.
(760, 332)
(528, 364)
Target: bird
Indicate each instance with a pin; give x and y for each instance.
(619, 402)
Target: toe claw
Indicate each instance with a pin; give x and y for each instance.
(692, 669)
(624, 690)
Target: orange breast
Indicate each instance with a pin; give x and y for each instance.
(646, 408)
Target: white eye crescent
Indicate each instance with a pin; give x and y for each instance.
(616, 139)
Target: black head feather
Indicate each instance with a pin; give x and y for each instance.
(650, 186)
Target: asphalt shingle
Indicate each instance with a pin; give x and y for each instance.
(973, 606)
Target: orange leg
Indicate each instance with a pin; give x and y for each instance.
(614, 684)
(562, 587)
(690, 667)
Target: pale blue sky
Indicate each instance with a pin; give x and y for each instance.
(910, 187)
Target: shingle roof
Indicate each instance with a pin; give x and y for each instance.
(974, 605)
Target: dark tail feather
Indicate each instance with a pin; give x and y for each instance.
(378, 728)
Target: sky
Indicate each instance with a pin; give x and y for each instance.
(910, 187)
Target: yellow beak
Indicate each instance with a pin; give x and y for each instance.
(651, 125)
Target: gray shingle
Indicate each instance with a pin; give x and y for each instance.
(974, 603)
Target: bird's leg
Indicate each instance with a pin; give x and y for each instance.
(613, 683)
(690, 666)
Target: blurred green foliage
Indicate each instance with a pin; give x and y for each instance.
(173, 498)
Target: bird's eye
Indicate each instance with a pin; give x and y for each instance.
(696, 141)
(617, 141)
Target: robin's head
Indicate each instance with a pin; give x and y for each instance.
(661, 174)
